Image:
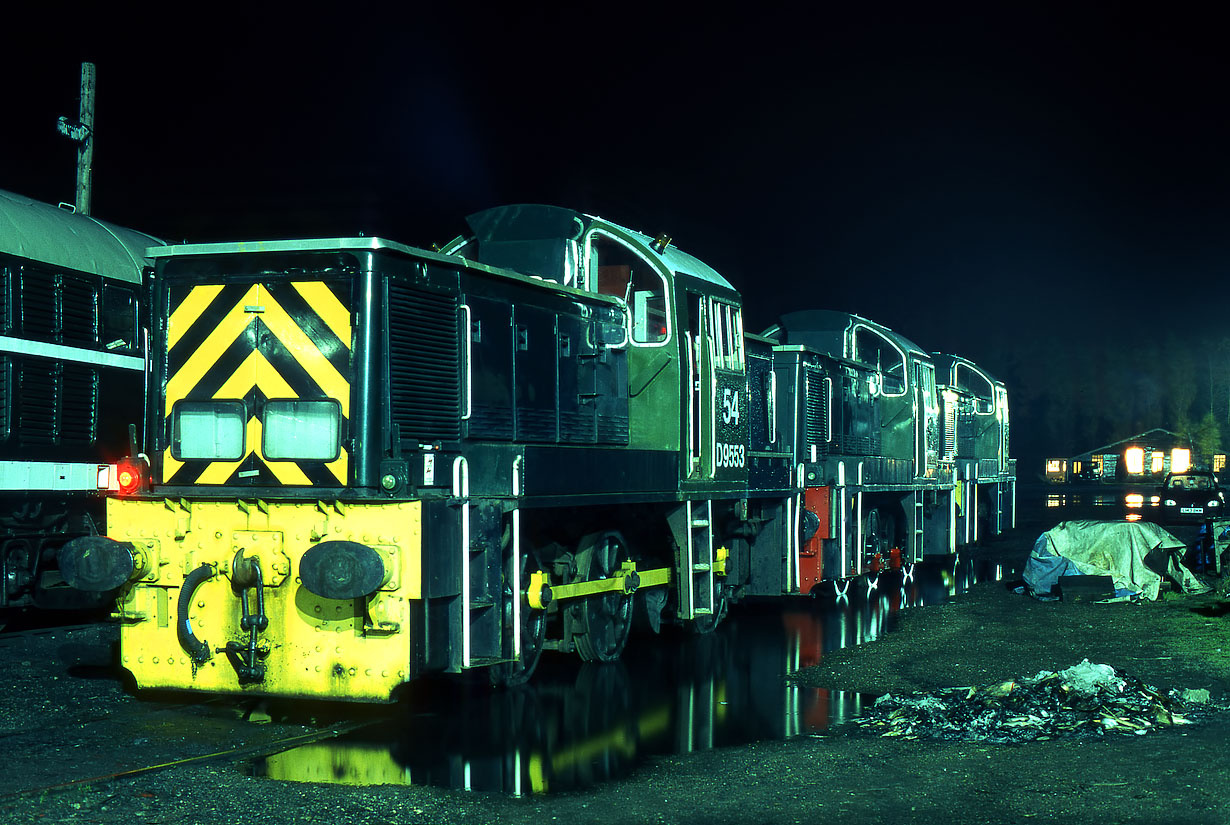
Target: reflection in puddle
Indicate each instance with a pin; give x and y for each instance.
(1104, 505)
(577, 725)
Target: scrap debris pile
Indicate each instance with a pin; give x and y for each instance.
(1084, 700)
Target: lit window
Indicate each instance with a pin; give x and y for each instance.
(302, 430)
(1134, 460)
(207, 430)
(1219, 463)
(1180, 460)
(1157, 463)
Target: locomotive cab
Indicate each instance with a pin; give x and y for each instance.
(974, 411)
(684, 330)
(901, 374)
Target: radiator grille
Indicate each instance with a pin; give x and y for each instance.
(37, 304)
(38, 391)
(79, 312)
(79, 419)
(817, 413)
(6, 289)
(424, 363)
(950, 430)
(613, 429)
(6, 397)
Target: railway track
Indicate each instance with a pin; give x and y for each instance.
(248, 751)
(68, 719)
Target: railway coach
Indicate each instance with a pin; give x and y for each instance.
(71, 380)
(369, 462)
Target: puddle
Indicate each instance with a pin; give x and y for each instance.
(1130, 502)
(578, 725)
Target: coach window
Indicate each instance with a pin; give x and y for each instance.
(119, 318)
(616, 270)
(207, 430)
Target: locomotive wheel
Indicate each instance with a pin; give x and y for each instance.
(602, 622)
(533, 629)
(877, 535)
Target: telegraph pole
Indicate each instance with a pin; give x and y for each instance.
(85, 151)
(81, 132)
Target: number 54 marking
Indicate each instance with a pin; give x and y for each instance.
(730, 406)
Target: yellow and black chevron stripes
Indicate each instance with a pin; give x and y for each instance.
(257, 342)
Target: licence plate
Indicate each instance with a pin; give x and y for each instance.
(1191, 509)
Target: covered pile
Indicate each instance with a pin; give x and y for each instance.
(1084, 700)
(1137, 555)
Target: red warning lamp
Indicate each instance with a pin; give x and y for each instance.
(128, 476)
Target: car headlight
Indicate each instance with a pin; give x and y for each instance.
(1213, 503)
(1170, 502)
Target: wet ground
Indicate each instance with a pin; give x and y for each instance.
(577, 725)
(743, 725)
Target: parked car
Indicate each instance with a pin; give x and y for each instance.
(1194, 495)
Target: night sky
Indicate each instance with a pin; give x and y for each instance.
(979, 180)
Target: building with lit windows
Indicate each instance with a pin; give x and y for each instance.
(1148, 455)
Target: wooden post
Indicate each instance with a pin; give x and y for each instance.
(85, 149)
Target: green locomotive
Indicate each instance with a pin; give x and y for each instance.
(369, 462)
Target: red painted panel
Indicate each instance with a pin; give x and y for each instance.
(819, 501)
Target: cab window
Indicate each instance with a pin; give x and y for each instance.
(208, 430)
(726, 335)
(296, 430)
(614, 269)
(979, 387)
(875, 350)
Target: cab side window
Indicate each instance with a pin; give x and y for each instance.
(977, 386)
(726, 335)
(616, 270)
(874, 350)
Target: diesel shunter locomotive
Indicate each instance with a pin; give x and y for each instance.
(369, 462)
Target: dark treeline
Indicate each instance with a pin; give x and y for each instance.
(1073, 392)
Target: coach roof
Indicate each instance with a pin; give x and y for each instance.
(59, 238)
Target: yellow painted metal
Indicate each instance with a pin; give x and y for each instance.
(324, 648)
(538, 585)
(338, 763)
(256, 372)
(655, 578)
(720, 556)
(620, 582)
